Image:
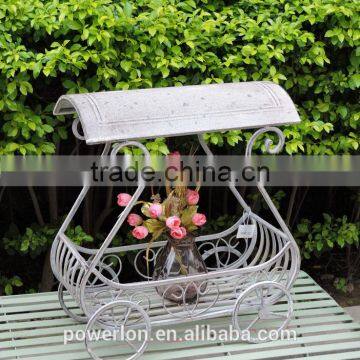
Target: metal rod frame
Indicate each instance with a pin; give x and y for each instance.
(269, 260)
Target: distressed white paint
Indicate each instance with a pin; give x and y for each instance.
(173, 111)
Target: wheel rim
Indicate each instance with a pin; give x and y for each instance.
(263, 306)
(109, 317)
(82, 319)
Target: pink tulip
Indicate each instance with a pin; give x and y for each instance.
(173, 222)
(183, 231)
(140, 232)
(155, 210)
(178, 233)
(174, 161)
(199, 219)
(192, 197)
(123, 199)
(134, 220)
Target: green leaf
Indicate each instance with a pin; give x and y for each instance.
(319, 246)
(68, 84)
(127, 9)
(13, 132)
(154, 225)
(342, 110)
(62, 133)
(126, 65)
(248, 50)
(145, 209)
(23, 89)
(327, 218)
(323, 107)
(48, 148)
(8, 289)
(25, 245)
(187, 214)
(11, 147)
(165, 72)
(354, 81)
(17, 282)
(152, 31)
(47, 128)
(11, 88)
(303, 228)
(74, 25)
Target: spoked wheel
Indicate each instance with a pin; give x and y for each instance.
(76, 317)
(262, 311)
(119, 328)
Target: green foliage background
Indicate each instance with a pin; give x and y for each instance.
(49, 47)
(52, 47)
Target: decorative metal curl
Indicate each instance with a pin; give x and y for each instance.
(185, 309)
(268, 142)
(103, 268)
(75, 130)
(109, 266)
(226, 247)
(103, 297)
(275, 275)
(140, 298)
(141, 255)
(123, 144)
(242, 284)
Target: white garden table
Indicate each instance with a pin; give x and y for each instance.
(32, 328)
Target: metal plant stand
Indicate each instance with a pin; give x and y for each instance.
(250, 276)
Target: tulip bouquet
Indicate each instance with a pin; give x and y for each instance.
(177, 215)
(175, 218)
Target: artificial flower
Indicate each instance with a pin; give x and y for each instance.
(140, 232)
(134, 219)
(155, 210)
(123, 199)
(192, 197)
(199, 219)
(173, 222)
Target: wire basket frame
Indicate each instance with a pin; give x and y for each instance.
(247, 278)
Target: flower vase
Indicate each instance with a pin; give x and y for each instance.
(180, 258)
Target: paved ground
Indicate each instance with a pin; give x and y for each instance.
(354, 312)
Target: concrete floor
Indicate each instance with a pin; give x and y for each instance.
(354, 312)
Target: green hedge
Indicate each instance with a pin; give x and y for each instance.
(49, 47)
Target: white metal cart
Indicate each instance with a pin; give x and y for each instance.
(251, 276)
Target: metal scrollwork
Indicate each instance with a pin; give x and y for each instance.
(242, 284)
(140, 298)
(75, 129)
(207, 294)
(109, 266)
(141, 264)
(250, 272)
(268, 142)
(225, 251)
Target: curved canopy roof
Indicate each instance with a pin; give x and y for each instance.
(173, 111)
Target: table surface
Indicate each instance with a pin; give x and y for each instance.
(32, 327)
